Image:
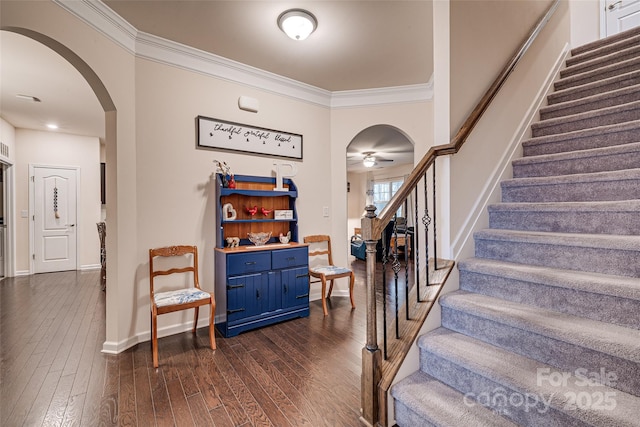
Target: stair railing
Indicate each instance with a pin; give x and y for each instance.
(378, 367)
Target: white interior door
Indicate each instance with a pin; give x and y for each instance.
(54, 219)
(621, 15)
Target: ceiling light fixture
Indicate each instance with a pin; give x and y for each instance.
(369, 161)
(297, 23)
(52, 126)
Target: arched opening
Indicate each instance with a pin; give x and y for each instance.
(380, 154)
(106, 104)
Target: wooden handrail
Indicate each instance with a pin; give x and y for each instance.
(461, 136)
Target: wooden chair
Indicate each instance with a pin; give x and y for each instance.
(326, 270)
(182, 298)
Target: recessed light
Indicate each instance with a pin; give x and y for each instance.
(52, 126)
(28, 98)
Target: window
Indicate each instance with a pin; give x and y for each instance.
(383, 191)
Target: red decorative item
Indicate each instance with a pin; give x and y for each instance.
(232, 182)
(252, 210)
(265, 212)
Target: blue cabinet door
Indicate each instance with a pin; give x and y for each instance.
(295, 287)
(244, 296)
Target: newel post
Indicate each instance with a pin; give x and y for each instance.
(371, 354)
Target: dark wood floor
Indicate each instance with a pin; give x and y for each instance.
(304, 372)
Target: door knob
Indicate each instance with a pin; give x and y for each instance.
(613, 5)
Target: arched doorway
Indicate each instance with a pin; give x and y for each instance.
(104, 99)
(380, 153)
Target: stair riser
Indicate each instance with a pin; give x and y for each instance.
(406, 417)
(564, 300)
(572, 192)
(602, 102)
(565, 356)
(594, 64)
(474, 385)
(591, 222)
(583, 143)
(596, 163)
(594, 76)
(545, 128)
(576, 93)
(580, 258)
(580, 58)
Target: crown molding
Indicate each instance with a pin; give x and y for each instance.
(104, 20)
(382, 96)
(147, 46)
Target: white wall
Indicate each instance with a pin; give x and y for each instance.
(58, 149)
(585, 21)
(176, 203)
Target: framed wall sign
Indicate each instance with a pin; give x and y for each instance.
(222, 135)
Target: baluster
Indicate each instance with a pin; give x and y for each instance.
(385, 259)
(406, 256)
(426, 221)
(395, 266)
(416, 245)
(435, 214)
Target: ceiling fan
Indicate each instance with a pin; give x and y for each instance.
(371, 159)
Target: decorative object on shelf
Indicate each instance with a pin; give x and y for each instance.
(285, 239)
(232, 182)
(283, 214)
(265, 211)
(280, 175)
(259, 239)
(222, 135)
(229, 214)
(233, 242)
(251, 211)
(225, 171)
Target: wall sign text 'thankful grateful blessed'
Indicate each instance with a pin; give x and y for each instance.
(222, 135)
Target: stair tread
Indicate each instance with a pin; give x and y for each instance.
(522, 374)
(443, 405)
(619, 175)
(591, 74)
(597, 206)
(593, 114)
(582, 133)
(579, 154)
(590, 99)
(580, 56)
(629, 77)
(603, 241)
(602, 337)
(596, 283)
(607, 58)
(608, 41)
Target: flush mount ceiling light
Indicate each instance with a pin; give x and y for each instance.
(297, 23)
(369, 161)
(52, 126)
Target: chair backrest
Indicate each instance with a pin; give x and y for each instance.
(173, 251)
(321, 250)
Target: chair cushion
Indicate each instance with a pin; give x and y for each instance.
(181, 296)
(329, 270)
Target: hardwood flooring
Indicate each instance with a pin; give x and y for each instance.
(303, 372)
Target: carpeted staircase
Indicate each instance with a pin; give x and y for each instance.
(545, 329)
